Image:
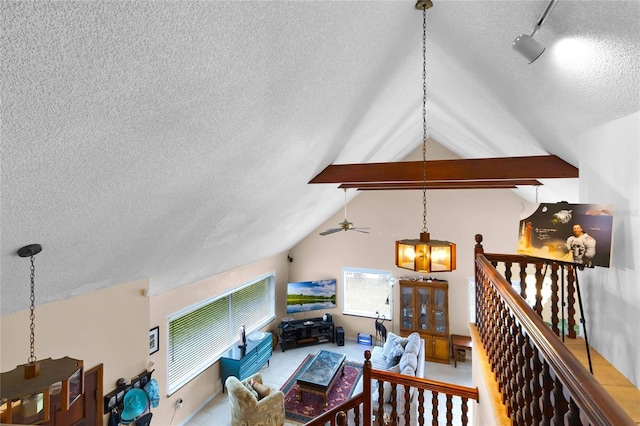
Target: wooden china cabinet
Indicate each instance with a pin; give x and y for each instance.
(424, 308)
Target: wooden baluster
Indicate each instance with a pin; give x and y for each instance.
(555, 298)
(536, 387)
(546, 402)
(492, 333)
(465, 410)
(523, 280)
(539, 277)
(480, 305)
(407, 404)
(507, 272)
(571, 302)
(485, 329)
(527, 378)
(512, 367)
(560, 403)
(503, 361)
(356, 416)
(421, 406)
(449, 409)
(341, 419)
(380, 390)
(520, 384)
(573, 415)
(434, 408)
(394, 404)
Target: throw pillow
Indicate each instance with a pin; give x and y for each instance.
(251, 390)
(261, 389)
(413, 343)
(392, 339)
(408, 359)
(394, 355)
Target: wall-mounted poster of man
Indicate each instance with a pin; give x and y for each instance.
(577, 233)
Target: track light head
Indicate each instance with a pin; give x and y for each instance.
(527, 47)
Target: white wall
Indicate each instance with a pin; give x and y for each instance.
(609, 161)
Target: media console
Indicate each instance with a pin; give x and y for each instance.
(311, 331)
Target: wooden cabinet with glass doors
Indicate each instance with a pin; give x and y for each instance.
(424, 308)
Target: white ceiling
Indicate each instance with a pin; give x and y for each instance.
(170, 139)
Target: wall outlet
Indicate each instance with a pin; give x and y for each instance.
(179, 403)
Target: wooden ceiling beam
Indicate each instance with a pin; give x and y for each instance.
(474, 169)
(481, 184)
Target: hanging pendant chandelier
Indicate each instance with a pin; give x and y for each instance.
(424, 254)
(26, 391)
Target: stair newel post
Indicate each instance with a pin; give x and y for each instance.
(478, 249)
(366, 389)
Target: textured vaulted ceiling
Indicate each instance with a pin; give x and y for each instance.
(170, 139)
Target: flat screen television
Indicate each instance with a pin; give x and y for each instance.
(308, 296)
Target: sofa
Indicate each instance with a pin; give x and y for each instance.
(404, 355)
(253, 403)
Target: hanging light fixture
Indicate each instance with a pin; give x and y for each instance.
(25, 394)
(525, 44)
(425, 254)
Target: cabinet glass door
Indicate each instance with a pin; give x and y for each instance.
(424, 317)
(440, 311)
(406, 313)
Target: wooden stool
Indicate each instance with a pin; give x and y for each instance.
(459, 343)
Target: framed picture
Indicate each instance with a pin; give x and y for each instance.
(154, 340)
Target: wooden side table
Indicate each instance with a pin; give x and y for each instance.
(459, 343)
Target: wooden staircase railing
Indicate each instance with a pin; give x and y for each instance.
(540, 380)
(417, 410)
(538, 268)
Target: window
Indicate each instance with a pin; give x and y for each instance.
(366, 292)
(201, 333)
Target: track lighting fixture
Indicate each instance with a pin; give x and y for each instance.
(526, 45)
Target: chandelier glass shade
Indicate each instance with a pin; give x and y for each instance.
(426, 255)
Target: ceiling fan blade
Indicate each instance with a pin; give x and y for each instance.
(359, 230)
(330, 231)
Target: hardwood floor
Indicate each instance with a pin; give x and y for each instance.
(618, 386)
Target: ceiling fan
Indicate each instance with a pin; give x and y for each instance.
(345, 225)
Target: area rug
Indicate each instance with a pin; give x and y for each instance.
(311, 405)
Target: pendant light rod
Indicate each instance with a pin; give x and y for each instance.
(425, 255)
(425, 230)
(543, 17)
(30, 251)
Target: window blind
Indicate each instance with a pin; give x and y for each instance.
(200, 335)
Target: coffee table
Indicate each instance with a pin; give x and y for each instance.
(321, 374)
